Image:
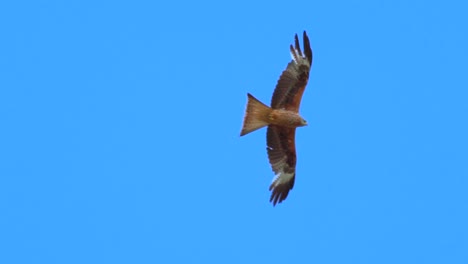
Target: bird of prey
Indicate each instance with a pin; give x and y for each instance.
(282, 118)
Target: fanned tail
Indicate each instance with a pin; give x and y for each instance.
(256, 115)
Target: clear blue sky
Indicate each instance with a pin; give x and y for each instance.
(120, 130)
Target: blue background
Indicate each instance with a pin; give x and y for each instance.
(120, 127)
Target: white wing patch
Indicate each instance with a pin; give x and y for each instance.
(297, 58)
(293, 56)
(281, 178)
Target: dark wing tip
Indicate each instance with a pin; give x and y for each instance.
(280, 192)
(278, 196)
(307, 48)
(296, 44)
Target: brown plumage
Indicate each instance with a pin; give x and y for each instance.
(282, 118)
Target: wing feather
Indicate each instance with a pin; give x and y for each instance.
(298, 47)
(307, 49)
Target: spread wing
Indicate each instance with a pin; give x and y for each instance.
(293, 80)
(282, 155)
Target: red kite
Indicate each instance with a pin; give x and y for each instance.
(282, 118)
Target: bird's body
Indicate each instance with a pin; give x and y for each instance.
(282, 118)
(286, 118)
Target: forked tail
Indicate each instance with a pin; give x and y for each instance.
(256, 115)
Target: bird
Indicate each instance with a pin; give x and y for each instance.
(282, 118)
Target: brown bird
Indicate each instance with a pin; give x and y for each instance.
(282, 118)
